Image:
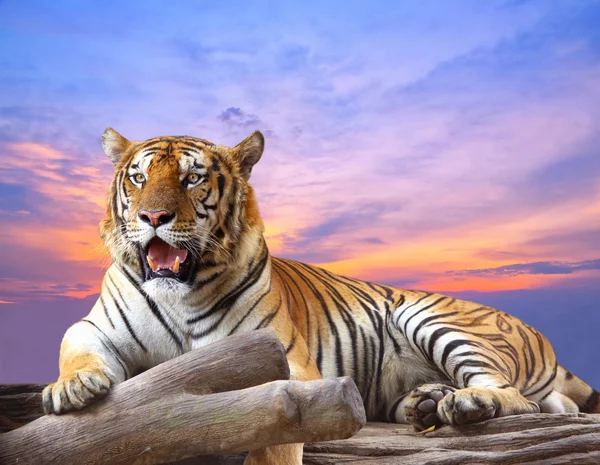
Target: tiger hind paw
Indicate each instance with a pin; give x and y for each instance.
(421, 406)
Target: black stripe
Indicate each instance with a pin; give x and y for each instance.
(529, 357)
(229, 299)
(451, 346)
(114, 199)
(425, 322)
(149, 143)
(545, 396)
(468, 375)
(545, 385)
(122, 313)
(541, 355)
(319, 351)
(365, 367)
(339, 357)
(379, 361)
(112, 349)
(106, 311)
(221, 184)
(360, 295)
(201, 282)
(343, 308)
(472, 363)
(292, 343)
(421, 310)
(392, 412)
(154, 309)
(192, 144)
(250, 310)
(591, 404)
(388, 321)
(278, 267)
(268, 318)
(492, 360)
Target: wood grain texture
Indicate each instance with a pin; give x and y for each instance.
(523, 439)
(176, 410)
(20, 404)
(178, 406)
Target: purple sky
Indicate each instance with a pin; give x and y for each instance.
(443, 146)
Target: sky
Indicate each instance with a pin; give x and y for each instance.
(446, 146)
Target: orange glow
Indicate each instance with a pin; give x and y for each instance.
(422, 262)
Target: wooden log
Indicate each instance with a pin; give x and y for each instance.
(19, 405)
(125, 430)
(541, 439)
(522, 439)
(232, 363)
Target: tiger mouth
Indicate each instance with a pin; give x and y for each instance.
(162, 260)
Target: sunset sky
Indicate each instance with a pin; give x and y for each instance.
(447, 146)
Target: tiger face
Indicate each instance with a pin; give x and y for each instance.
(176, 203)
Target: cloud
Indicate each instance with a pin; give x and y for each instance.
(536, 268)
(236, 117)
(54, 200)
(477, 137)
(340, 234)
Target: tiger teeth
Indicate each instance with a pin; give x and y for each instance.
(175, 268)
(151, 263)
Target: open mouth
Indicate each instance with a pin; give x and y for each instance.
(165, 261)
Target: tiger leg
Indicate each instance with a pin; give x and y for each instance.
(491, 360)
(302, 368)
(555, 402)
(286, 454)
(439, 404)
(87, 371)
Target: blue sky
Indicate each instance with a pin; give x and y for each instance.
(450, 146)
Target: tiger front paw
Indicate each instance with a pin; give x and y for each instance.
(76, 390)
(421, 406)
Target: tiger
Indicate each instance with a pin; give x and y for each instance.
(190, 266)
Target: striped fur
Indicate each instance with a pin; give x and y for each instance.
(416, 357)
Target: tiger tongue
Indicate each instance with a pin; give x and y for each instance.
(163, 255)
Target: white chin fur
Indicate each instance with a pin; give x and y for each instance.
(165, 287)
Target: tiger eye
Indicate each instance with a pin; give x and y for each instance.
(193, 178)
(139, 178)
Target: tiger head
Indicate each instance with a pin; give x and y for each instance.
(178, 203)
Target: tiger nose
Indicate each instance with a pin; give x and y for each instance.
(156, 218)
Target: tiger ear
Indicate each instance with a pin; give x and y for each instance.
(114, 144)
(248, 152)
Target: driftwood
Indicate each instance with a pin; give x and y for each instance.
(19, 405)
(532, 439)
(178, 410)
(234, 363)
(523, 439)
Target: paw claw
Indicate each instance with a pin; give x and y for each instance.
(75, 392)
